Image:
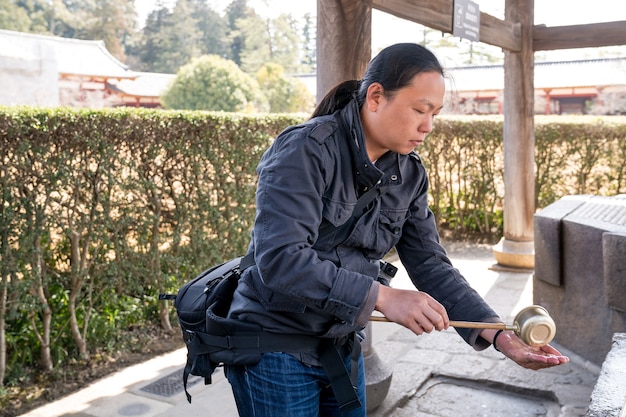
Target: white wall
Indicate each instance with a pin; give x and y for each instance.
(28, 74)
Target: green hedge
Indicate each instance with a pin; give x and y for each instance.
(465, 160)
(103, 209)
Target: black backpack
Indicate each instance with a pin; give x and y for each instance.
(212, 339)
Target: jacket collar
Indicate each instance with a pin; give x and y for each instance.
(367, 174)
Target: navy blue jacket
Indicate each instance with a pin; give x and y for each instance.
(304, 283)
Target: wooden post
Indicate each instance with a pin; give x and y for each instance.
(344, 41)
(548, 105)
(516, 248)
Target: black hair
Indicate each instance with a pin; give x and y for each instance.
(394, 68)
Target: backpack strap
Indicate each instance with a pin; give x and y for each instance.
(343, 231)
(246, 262)
(343, 382)
(365, 199)
(245, 346)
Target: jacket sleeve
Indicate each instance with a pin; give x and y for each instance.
(432, 272)
(292, 178)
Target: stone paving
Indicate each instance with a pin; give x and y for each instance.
(439, 375)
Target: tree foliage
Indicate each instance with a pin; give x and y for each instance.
(213, 29)
(285, 42)
(13, 17)
(235, 11)
(111, 21)
(309, 47)
(211, 82)
(253, 31)
(178, 40)
(284, 94)
(169, 38)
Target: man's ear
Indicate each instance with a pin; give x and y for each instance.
(375, 94)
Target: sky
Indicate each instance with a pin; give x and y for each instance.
(387, 29)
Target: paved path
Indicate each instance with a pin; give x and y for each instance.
(434, 375)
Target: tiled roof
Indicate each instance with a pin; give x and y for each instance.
(587, 73)
(73, 56)
(562, 74)
(147, 84)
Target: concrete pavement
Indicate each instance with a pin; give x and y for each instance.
(434, 375)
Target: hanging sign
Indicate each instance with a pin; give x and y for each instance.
(466, 20)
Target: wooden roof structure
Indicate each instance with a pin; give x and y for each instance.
(344, 32)
(50, 70)
(143, 91)
(596, 72)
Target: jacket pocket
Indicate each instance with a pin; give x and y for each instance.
(390, 224)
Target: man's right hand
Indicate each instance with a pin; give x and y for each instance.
(415, 310)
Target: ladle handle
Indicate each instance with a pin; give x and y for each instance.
(464, 324)
(480, 325)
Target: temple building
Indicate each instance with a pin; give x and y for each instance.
(53, 71)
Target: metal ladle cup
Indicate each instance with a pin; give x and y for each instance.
(532, 324)
(535, 326)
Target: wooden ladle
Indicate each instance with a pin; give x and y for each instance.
(532, 324)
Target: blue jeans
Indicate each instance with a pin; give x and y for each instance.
(280, 386)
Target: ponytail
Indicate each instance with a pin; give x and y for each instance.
(337, 98)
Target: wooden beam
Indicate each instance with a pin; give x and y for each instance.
(496, 32)
(437, 14)
(579, 36)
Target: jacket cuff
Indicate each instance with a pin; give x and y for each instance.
(477, 342)
(366, 310)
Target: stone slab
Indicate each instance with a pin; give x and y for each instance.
(608, 398)
(614, 253)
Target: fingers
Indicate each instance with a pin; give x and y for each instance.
(426, 312)
(415, 327)
(415, 310)
(530, 357)
(440, 318)
(435, 317)
(536, 362)
(424, 325)
(551, 351)
(550, 356)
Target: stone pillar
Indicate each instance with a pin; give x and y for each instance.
(516, 248)
(378, 376)
(580, 243)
